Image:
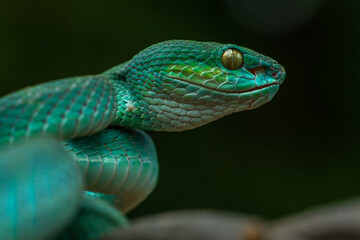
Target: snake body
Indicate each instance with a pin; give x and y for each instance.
(170, 86)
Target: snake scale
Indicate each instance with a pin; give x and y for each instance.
(170, 86)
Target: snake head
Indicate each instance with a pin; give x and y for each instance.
(189, 83)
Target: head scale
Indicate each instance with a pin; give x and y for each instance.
(184, 84)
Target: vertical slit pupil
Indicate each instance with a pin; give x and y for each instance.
(233, 58)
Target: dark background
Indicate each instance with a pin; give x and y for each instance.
(297, 151)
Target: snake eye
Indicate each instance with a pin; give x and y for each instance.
(232, 59)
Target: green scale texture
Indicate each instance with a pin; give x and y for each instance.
(179, 85)
(121, 162)
(65, 108)
(170, 86)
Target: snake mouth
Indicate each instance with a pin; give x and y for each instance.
(228, 91)
(259, 87)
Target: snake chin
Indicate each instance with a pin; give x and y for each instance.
(264, 93)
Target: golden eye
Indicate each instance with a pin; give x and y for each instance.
(232, 59)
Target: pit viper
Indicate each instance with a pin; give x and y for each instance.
(107, 164)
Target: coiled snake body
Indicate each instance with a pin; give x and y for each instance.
(170, 86)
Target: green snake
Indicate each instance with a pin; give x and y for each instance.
(170, 86)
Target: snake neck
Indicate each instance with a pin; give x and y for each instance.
(140, 111)
(129, 110)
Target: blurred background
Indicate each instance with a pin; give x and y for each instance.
(299, 150)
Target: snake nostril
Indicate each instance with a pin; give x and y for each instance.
(273, 74)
